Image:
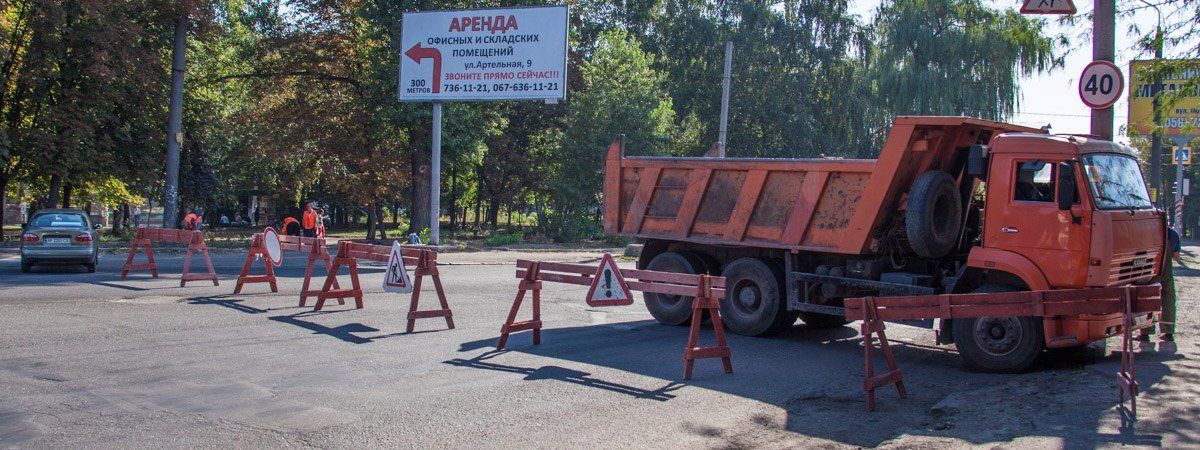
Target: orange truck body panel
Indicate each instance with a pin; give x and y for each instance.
(823, 205)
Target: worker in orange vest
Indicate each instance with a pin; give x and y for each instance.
(309, 220)
(191, 221)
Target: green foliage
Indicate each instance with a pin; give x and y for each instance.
(499, 239)
(621, 93)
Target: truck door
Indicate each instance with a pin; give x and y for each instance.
(1023, 217)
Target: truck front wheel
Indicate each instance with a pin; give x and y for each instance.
(998, 344)
(671, 309)
(753, 304)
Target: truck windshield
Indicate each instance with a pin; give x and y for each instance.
(1116, 181)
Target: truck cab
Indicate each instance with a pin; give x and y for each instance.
(1067, 212)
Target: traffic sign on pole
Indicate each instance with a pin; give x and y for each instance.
(1182, 156)
(1048, 7)
(1101, 84)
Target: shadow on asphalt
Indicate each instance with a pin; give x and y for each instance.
(566, 375)
(781, 370)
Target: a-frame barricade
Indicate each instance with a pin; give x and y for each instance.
(424, 262)
(706, 291)
(1129, 301)
(314, 248)
(195, 241)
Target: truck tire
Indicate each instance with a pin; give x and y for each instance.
(998, 344)
(754, 304)
(934, 215)
(818, 320)
(671, 309)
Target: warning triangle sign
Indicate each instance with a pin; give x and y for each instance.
(395, 278)
(608, 286)
(1048, 7)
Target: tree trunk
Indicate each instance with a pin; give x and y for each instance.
(453, 200)
(418, 214)
(3, 201)
(493, 213)
(67, 189)
(379, 220)
(53, 191)
(371, 224)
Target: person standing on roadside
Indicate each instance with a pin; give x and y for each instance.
(1167, 318)
(191, 221)
(137, 216)
(308, 220)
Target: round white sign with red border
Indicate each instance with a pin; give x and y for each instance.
(1101, 84)
(271, 245)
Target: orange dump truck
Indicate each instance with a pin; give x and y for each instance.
(952, 205)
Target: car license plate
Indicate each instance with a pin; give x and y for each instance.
(57, 241)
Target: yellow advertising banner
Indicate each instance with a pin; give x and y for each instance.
(1182, 112)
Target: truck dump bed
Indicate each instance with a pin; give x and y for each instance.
(826, 205)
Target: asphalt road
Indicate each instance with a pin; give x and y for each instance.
(89, 360)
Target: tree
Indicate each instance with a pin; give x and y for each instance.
(621, 94)
(954, 57)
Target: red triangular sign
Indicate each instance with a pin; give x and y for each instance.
(608, 286)
(1048, 7)
(395, 278)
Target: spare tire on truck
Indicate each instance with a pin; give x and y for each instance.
(934, 216)
(672, 309)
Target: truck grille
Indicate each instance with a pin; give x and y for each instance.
(1130, 266)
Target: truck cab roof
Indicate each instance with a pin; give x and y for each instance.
(1056, 144)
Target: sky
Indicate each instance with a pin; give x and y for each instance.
(1053, 97)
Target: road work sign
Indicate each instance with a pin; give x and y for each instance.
(395, 278)
(484, 54)
(1048, 7)
(608, 286)
(1101, 84)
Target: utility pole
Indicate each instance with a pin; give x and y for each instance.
(1104, 23)
(435, 178)
(724, 133)
(175, 123)
(1155, 89)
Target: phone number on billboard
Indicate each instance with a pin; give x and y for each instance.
(502, 87)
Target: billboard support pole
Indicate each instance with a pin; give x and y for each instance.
(435, 177)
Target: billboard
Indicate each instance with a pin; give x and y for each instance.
(1184, 111)
(484, 54)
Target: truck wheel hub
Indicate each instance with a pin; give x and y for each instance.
(748, 297)
(997, 336)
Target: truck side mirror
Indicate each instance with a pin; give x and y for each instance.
(1066, 185)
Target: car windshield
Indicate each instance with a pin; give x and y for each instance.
(61, 220)
(1116, 181)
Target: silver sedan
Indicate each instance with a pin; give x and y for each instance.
(60, 236)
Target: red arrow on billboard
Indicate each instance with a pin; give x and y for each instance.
(417, 53)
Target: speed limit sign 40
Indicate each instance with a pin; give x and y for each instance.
(1101, 84)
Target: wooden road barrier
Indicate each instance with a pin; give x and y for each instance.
(707, 291)
(1129, 301)
(423, 260)
(314, 248)
(194, 240)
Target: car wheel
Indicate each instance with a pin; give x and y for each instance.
(26, 266)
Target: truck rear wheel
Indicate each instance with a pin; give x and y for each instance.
(754, 304)
(671, 309)
(998, 344)
(933, 217)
